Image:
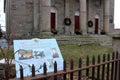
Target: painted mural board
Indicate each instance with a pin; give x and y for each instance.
(37, 51)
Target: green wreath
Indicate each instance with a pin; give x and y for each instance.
(90, 23)
(67, 21)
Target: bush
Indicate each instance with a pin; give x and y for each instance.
(54, 31)
(78, 32)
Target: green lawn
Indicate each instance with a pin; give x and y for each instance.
(75, 52)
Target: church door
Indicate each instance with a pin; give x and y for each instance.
(53, 21)
(76, 26)
(96, 25)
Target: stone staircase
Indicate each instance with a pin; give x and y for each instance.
(82, 40)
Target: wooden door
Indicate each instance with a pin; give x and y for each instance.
(76, 26)
(96, 26)
(53, 21)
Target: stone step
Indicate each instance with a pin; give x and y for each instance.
(103, 40)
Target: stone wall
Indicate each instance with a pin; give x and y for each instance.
(116, 43)
(24, 18)
(95, 10)
(60, 14)
(21, 17)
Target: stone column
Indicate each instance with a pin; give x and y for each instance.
(67, 28)
(8, 17)
(45, 15)
(83, 16)
(36, 15)
(106, 15)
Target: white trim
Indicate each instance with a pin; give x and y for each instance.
(76, 13)
(97, 16)
(53, 9)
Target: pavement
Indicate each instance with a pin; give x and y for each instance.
(3, 43)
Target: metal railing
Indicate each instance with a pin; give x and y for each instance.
(106, 67)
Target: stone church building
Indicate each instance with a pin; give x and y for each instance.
(27, 17)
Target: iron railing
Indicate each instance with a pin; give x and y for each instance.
(106, 67)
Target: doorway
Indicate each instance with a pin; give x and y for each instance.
(53, 21)
(96, 25)
(76, 26)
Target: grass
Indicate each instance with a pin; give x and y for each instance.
(75, 52)
(6, 53)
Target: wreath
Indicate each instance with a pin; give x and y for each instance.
(67, 21)
(90, 23)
